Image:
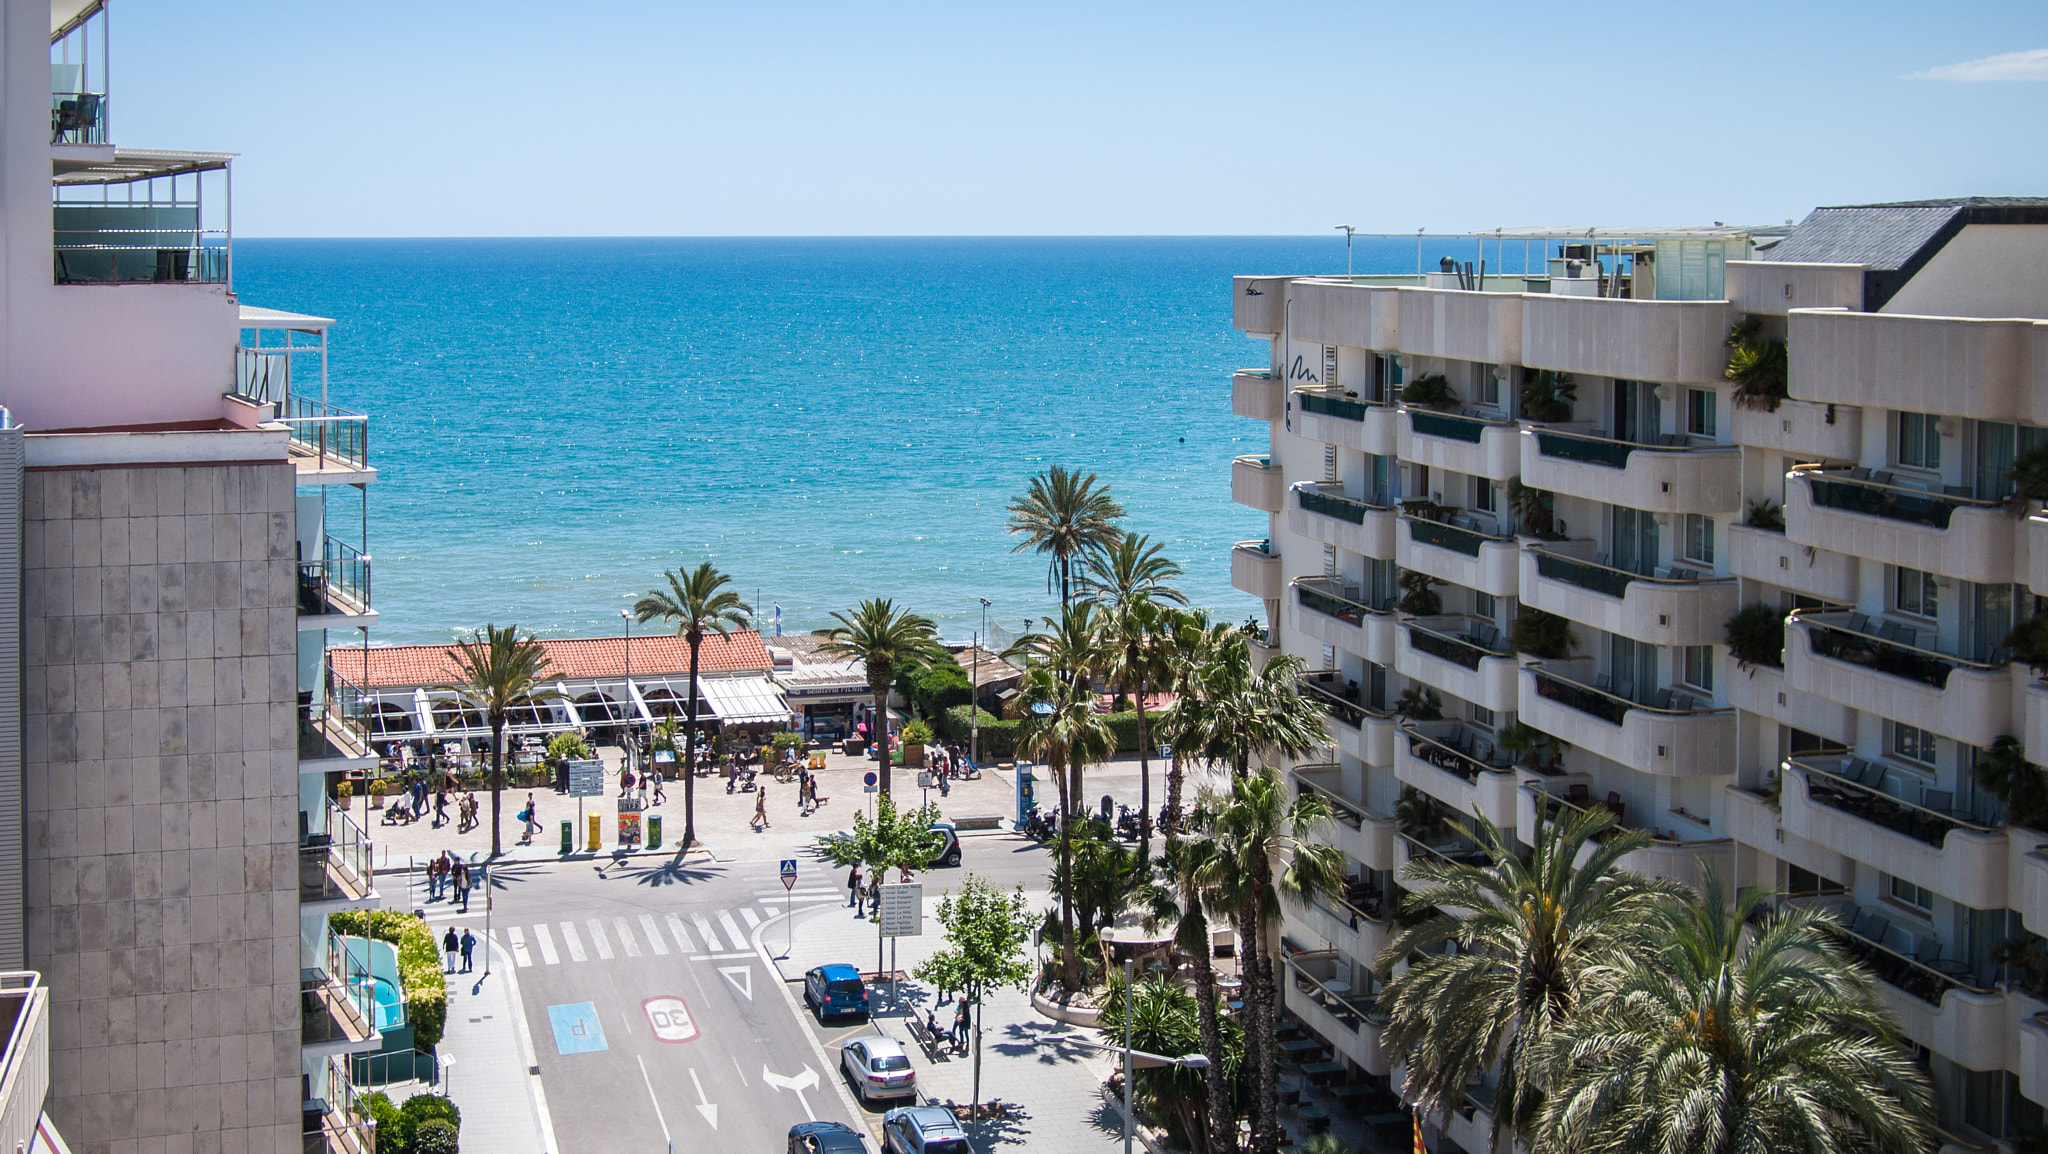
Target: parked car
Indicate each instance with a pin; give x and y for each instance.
(826, 1138)
(923, 1130)
(834, 990)
(878, 1068)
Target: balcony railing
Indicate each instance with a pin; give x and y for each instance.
(25, 1066)
(337, 1123)
(1549, 805)
(1893, 649)
(338, 1000)
(1350, 1010)
(337, 583)
(1612, 707)
(1334, 505)
(1838, 783)
(163, 255)
(1325, 599)
(337, 864)
(1332, 405)
(346, 709)
(1460, 850)
(1464, 651)
(1927, 981)
(1858, 490)
(328, 431)
(1341, 811)
(78, 118)
(1339, 704)
(1452, 426)
(1599, 577)
(1445, 535)
(1458, 752)
(1596, 449)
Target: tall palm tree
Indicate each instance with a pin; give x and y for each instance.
(1063, 515)
(1248, 714)
(1267, 852)
(1727, 1042)
(495, 668)
(1131, 581)
(1074, 647)
(1067, 732)
(881, 637)
(697, 602)
(1177, 896)
(1187, 639)
(1531, 934)
(1164, 1020)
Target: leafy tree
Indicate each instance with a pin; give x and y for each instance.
(567, 745)
(1106, 875)
(1245, 714)
(985, 934)
(434, 1136)
(881, 637)
(1740, 1033)
(698, 602)
(1068, 733)
(889, 840)
(1063, 515)
(496, 668)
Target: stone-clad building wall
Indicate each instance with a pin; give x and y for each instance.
(160, 640)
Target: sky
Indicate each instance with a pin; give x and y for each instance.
(511, 118)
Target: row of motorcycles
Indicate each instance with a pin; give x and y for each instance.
(1041, 825)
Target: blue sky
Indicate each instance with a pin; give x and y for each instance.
(456, 118)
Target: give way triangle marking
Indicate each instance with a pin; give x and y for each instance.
(741, 977)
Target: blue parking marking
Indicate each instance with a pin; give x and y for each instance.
(576, 1028)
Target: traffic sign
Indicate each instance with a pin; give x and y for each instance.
(670, 1019)
(869, 778)
(788, 873)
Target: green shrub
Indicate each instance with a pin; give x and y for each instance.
(392, 1128)
(1756, 636)
(566, 745)
(781, 741)
(917, 732)
(424, 1113)
(433, 1137)
(419, 966)
(941, 686)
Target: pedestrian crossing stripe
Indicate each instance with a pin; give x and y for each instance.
(574, 943)
(597, 939)
(626, 941)
(752, 918)
(546, 944)
(732, 929)
(723, 937)
(683, 942)
(653, 933)
(705, 931)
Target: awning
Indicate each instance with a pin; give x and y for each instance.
(749, 699)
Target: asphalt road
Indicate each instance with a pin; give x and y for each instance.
(653, 1016)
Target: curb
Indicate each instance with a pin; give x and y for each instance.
(1140, 1131)
(830, 1073)
(419, 865)
(538, 1093)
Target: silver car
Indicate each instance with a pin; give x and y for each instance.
(877, 1067)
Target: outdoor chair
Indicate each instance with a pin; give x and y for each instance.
(1578, 794)
(1881, 477)
(1600, 559)
(1939, 800)
(1858, 623)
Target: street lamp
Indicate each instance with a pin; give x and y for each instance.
(628, 615)
(1347, 230)
(974, 693)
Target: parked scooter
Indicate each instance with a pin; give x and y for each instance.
(1126, 823)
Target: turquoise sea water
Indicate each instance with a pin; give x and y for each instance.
(556, 422)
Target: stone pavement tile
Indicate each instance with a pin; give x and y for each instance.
(503, 1109)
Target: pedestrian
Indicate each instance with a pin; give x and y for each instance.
(760, 821)
(644, 775)
(440, 808)
(526, 822)
(660, 779)
(961, 1024)
(462, 884)
(448, 946)
(853, 889)
(468, 946)
(468, 812)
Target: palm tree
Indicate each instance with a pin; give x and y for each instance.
(881, 637)
(697, 601)
(1266, 853)
(1067, 733)
(1740, 1035)
(497, 667)
(1074, 647)
(1531, 933)
(1177, 896)
(1063, 515)
(1249, 715)
(1130, 580)
(1164, 1020)
(1188, 639)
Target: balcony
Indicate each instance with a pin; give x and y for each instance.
(1773, 288)
(1258, 304)
(1672, 734)
(1674, 606)
(1256, 481)
(1939, 1003)
(1348, 523)
(25, 1066)
(338, 1009)
(1255, 570)
(1339, 418)
(335, 867)
(1803, 430)
(1462, 657)
(1770, 557)
(1350, 1022)
(1761, 690)
(1460, 324)
(1880, 667)
(1362, 835)
(334, 592)
(2027, 875)
(1881, 518)
(78, 118)
(1648, 340)
(1259, 394)
(329, 445)
(1462, 554)
(2033, 1038)
(1362, 731)
(1954, 366)
(1670, 477)
(1331, 612)
(1460, 767)
(1751, 818)
(335, 1120)
(1667, 855)
(1480, 446)
(334, 733)
(1337, 311)
(1840, 803)
(1348, 929)
(2034, 703)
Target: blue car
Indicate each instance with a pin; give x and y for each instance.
(835, 990)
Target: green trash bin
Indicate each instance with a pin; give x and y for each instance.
(568, 836)
(654, 831)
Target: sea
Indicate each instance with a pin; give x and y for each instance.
(556, 423)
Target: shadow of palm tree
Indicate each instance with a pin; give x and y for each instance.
(1106, 1120)
(1045, 1039)
(984, 1133)
(672, 871)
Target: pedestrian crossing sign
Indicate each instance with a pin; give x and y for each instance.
(789, 867)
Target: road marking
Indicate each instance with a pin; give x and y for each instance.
(741, 977)
(656, 1099)
(598, 939)
(797, 1082)
(736, 1068)
(732, 930)
(705, 931)
(574, 943)
(626, 941)
(670, 1018)
(683, 942)
(800, 895)
(577, 1030)
(753, 920)
(653, 933)
(704, 1105)
(546, 942)
(518, 940)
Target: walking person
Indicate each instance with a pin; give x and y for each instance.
(440, 808)
(853, 889)
(468, 946)
(531, 819)
(760, 821)
(962, 1023)
(660, 778)
(462, 884)
(449, 945)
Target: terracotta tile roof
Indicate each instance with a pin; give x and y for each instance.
(574, 658)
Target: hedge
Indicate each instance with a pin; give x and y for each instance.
(999, 737)
(424, 1124)
(419, 966)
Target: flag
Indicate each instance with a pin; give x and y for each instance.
(1419, 1147)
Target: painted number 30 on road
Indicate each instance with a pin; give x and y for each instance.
(670, 1019)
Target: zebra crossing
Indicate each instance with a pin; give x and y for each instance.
(695, 935)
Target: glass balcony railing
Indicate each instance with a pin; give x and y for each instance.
(338, 583)
(1465, 651)
(1444, 535)
(1336, 505)
(1332, 405)
(335, 864)
(136, 244)
(1350, 1010)
(1339, 701)
(341, 1124)
(1549, 806)
(1333, 600)
(1921, 969)
(1840, 784)
(1610, 580)
(328, 432)
(1888, 647)
(1611, 707)
(1452, 426)
(1453, 748)
(78, 118)
(342, 716)
(338, 998)
(1858, 490)
(1598, 449)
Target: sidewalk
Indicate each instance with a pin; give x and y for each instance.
(1054, 1089)
(488, 1064)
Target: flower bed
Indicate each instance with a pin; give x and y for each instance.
(419, 966)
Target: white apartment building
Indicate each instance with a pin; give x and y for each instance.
(181, 532)
(1513, 516)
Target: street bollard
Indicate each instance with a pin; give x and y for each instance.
(568, 836)
(596, 828)
(654, 831)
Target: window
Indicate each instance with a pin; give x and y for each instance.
(1911, 896)
(1920, 440)
(1699, 667)
(1483, 605)
(1699, 538)
(1917, 594)
(1699, 412)
(1489, 385)
(1800, 882)
(1482, 495)
(1482, 716)
(1912, 744)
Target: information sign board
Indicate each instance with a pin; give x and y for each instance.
(586, 777)
(902, 910)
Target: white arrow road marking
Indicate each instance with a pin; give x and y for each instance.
(741, 977)
(796, 1082)
(704, 1105)
(656, 1098)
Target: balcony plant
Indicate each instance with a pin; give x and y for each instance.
(1544, 635)
(2029, 643)
(1757, 365)
(1766, 514)
(1417, 814)
(1428, 510)
(1430, 390)
(2004, 771)
(2029, 477)
(1419, 703)
(1756, 636)
(1419, 595)
(1533, 748)
(1547, 395)
(343, 792)
(1532, 508)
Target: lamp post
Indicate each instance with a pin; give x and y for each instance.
(628, 615)
(1130, 995)
(974, 693)
(1347, 230)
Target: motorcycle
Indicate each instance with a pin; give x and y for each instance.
(1038, 825)
(1126, 823)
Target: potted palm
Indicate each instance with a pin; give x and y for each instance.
(1756, 636)
(377, 794)
(1431, 390)
(916, 735)
(1758, 366)
(343, 792)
